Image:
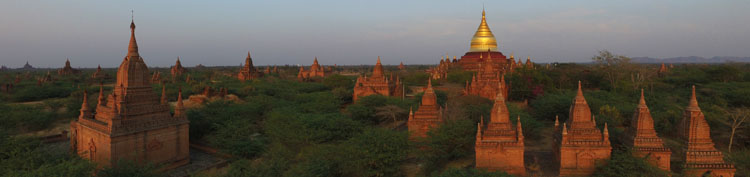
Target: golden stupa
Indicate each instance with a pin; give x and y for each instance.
(483, 39)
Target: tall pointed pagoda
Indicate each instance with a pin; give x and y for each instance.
(700, 156)
(642, 137)
(177, 69)
(428, 115)
(484, 47)
(67, 70)
(499, 146)
(98, 74)
(488, 82)
(315, 71)
(580, 146)
(248, 72)
(132, 124)
(377, 83)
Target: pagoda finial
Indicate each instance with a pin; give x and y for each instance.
(693, 100)
(606, 132)
(85, 104)
(565, 129)
(101, 94)
(557, 121)
(593, 119)
(378, 60)
(179, 110)
(133, 46)
(580, 92)
(411, 113)
(85, 112)
(482, 10)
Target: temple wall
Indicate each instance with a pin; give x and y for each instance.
(419, 129)
(163, 145)
(92, 144)
(582, 161)
(501, 158)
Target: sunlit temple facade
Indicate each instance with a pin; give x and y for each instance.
(428, 116)
(377, 83)
(500, 145)
(131, 123)
(701, 158)
(579, 145)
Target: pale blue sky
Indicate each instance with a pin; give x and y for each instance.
(92, 32)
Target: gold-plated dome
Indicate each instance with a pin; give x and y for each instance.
(483, 39)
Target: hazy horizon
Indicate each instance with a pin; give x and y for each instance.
(93, 33)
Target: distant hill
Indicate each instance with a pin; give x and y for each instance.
(690, 59)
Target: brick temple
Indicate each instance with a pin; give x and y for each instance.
(429, 114)
(98, 74)
(248, 72)
(67, 70)
(580, 146)
(644, 141)
(700, 156)
(314, 71)
(487, 83)
(499, 146)
(177, 69)
(131, 123)
(377, 83)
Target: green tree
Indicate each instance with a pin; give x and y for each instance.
(613, 66)
(623, 163)
(375, 152)
(451, 140)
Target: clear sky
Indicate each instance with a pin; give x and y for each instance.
(93, 32)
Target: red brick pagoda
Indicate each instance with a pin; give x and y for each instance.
(700, 156)
(499, 146)
(580, 146)
(642, 137)
(177, 69)
(248, 72)
(315, 71)
(487, 83)
(99, 74)
(428, 115)
(132, 124)
(67, 70)
(377, 83)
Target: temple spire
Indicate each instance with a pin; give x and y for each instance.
(101, 95)
(378, 70)
(483, 39)
(179, 110)
(85, 111)
(133, 46)
(642, 101)
(693, 100)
